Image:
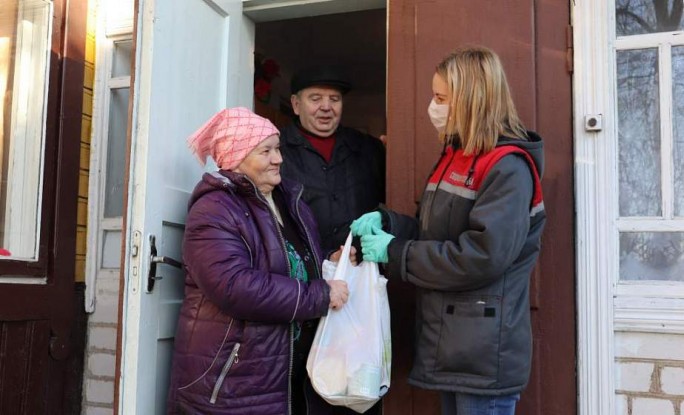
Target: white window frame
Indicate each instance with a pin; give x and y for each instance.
(653, 306)
(109, 32)
(604, 303)
(22, 206)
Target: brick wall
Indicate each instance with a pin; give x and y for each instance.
(98, 388)
(649, 374)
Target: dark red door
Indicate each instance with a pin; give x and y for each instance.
(37, 314)
(530, 37)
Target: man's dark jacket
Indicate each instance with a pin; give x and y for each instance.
(338, 192)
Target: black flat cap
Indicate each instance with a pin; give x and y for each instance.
(321, 75)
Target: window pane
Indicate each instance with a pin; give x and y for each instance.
(636, 17)
(111, 249)
(121, 62)
(116, 153)
(638, 132)
(25, 33)
(678, 119)
(652, 256)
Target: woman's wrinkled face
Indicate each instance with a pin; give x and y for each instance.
(262, 165)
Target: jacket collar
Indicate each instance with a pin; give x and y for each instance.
(241, 184)
(292, 136)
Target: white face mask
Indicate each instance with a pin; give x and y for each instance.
(439, 114)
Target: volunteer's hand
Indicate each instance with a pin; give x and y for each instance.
(365, 224)
(339, 293)
(335, 256)
(374, 247)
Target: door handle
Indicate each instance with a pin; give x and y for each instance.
(154, 260)
(166, 260)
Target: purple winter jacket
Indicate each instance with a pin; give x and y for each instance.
(233, 346)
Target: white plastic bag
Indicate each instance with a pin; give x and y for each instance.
(350, 359)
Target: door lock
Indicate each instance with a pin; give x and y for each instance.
(154, 260)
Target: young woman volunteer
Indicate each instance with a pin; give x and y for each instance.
(474, 243)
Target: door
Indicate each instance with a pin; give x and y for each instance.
(41, 95)
(530, 38)
(187, 66)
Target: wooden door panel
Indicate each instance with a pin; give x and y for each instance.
(23, 366)
(437, 33)
(554, 323)
(531, 402)
(529, 36)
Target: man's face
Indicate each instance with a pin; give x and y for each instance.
(319, 109)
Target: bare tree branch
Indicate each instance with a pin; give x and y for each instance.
(626, 13)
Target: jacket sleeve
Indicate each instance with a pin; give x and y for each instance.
(401, 226)
(218, 259)
(498, 226)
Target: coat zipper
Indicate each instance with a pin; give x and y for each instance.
(289, 376)
(471, 172)
(428, 205)
(225, 337)
(251, 259)
(224, 372)
(319, 267)
(282, 242)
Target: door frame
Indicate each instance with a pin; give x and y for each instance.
(240, 67)
(595, 338)
(97, 224)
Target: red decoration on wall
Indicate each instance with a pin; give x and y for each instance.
(265, 70)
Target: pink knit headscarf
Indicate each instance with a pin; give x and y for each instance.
(229, 136)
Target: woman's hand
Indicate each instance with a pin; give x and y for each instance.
(335, 256)
(339, 293)
(365, 224)
(374, 247)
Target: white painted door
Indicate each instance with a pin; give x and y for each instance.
(193, 57)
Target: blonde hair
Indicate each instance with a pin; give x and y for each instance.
(481, 108)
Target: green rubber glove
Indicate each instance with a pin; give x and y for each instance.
(365, 223)
(374, 246)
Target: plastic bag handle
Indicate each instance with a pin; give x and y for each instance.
(344, 257)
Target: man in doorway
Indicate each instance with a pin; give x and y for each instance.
(342, 169)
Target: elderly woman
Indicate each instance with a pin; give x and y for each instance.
(253, 290)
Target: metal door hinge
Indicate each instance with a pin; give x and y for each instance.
(569, 49)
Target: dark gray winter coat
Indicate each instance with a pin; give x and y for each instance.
(470, 255)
